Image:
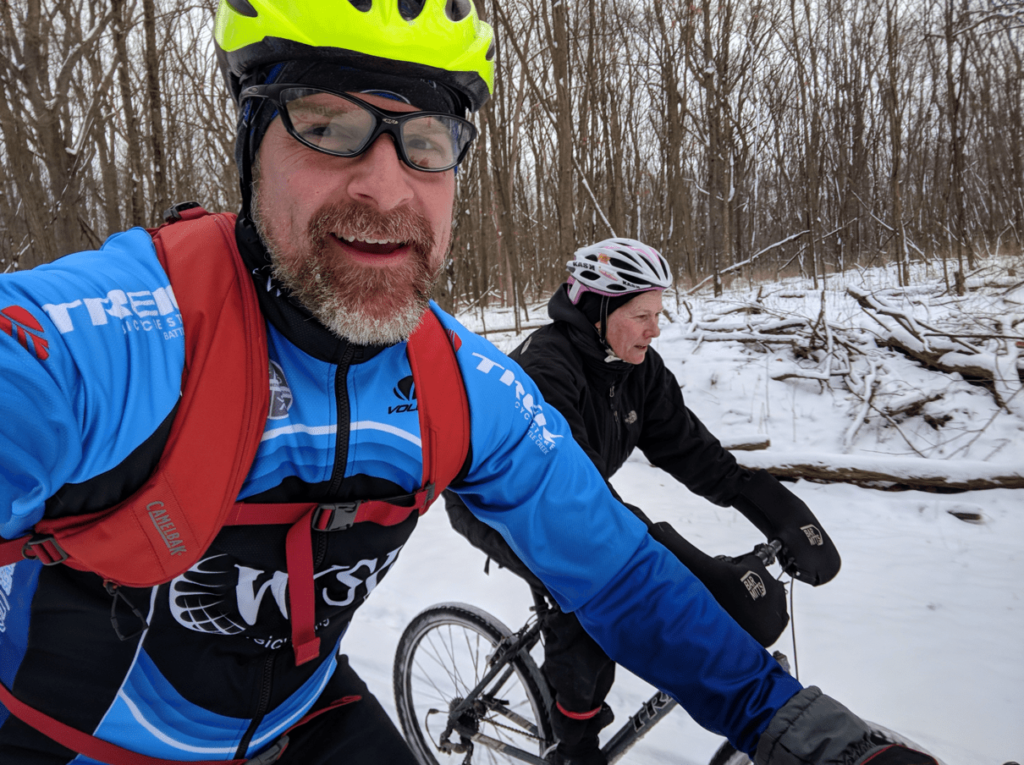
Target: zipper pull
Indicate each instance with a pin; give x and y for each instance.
(114, 590)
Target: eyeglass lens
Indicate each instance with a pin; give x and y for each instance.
(338, 126)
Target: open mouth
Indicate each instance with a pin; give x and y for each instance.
(370, 246)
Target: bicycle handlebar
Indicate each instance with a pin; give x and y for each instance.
(768, 551)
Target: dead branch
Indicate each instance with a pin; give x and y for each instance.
(746, 443)
(907, 472)
(905, 334)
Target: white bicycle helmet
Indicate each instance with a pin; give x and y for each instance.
(617, 267)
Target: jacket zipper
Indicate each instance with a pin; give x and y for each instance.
(266, 683)
(615, 412)
(340, 445)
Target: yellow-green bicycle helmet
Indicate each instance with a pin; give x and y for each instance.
(440, 40)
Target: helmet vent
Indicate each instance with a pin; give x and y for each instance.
(362, 5)
(410, 9)
(242, 8)
(625, 265)
(457, 10)
(490, 51)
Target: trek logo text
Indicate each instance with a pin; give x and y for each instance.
(539, 434)
(143, 311)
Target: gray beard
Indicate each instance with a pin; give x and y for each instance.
(360, 304)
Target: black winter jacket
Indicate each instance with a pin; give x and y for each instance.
(614, 406)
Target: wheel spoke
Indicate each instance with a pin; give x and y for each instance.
(443, 661)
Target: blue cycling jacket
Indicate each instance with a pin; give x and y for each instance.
(91, 358)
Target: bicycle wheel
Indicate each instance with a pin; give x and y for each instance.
(442, 656)
(726, 755)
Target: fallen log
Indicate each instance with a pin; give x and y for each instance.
(751, 443)
(888, 471)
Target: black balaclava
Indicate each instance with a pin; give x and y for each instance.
(257, 113)
(597, 308)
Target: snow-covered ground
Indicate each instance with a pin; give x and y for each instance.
(923, 629)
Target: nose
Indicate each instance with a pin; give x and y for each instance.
(654, 330)
(379, 177)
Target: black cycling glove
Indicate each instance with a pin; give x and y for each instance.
(742, 586)
(807, 552)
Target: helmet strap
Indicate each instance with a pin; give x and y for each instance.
(245, 177)
(574, 291)
(604, 321)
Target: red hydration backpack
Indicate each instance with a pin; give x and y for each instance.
(163, 529)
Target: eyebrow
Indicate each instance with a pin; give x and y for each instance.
(325, 110)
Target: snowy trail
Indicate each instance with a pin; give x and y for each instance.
(921, 630)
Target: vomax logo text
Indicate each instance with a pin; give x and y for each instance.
(539, 434)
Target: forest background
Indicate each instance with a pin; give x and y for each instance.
(742, 138)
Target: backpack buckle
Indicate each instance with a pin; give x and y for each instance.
(335, 516)
(174, 213)
(46, 550)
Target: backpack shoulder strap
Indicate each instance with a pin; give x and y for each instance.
(162, 529)
(442, 403)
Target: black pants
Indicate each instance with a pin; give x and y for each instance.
(360, 733)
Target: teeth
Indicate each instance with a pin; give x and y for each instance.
(368, 240)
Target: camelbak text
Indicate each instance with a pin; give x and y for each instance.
(166, 528)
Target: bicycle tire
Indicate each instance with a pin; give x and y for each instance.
(441, 655)
(727, 755)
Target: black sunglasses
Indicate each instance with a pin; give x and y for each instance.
(342, 125)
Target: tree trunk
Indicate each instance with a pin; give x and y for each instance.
(563, 126)
(156, 121)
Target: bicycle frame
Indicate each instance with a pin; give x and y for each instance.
(638, 726)
(478, 700)
(525, 639)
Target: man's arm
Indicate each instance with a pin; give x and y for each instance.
(645, 608)
(635, 598)
(91, 355)
(549, 362)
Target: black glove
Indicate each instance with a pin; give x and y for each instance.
(812, 728)
(742, 586)
(807, 552)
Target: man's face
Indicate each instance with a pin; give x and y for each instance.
(632, 327)
(358, 240)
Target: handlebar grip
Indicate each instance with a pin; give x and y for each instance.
(769, 551)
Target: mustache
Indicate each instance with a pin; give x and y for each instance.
(357, 220)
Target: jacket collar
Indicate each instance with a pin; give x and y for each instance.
(586, 340)
(288, 316)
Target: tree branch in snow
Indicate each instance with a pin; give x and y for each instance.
(946, 352)
(907, 472)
